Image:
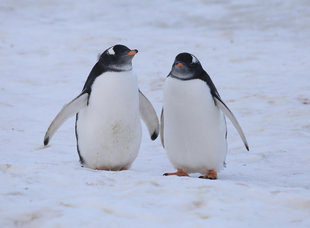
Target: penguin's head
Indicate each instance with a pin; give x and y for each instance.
(186, 66)
(117, 58)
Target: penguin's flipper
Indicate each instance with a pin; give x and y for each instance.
(148, 115)
(161, 130)
(232, 118)
(67, 111)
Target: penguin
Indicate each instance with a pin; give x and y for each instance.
(192, 123)
(108, 110)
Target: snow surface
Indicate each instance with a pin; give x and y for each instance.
(257, 53)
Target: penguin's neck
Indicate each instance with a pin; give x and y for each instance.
(114, 88)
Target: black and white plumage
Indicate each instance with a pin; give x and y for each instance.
(193, 126)
(108, 111)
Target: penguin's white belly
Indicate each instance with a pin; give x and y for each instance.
(109, 128)
(195, 129)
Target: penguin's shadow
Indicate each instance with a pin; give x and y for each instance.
(42, 147)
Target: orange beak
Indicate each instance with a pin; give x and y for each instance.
(133, 52)
(180, 64)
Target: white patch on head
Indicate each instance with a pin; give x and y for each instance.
(111, 51)
(194, 59)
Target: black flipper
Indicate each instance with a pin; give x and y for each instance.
(148, 116)
(67, 111)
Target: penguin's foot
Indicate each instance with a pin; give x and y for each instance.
(112, 168)
(212, 175)
(179, 173)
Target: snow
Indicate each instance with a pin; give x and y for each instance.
(256, 52)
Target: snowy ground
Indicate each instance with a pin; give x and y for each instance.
(257, 53)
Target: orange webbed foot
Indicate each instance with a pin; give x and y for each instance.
(179, 173)
(212, 175)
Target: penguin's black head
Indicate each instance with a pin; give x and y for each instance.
(186, 66)
(117, 58)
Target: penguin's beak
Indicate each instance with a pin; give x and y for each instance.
(133, 52)
(179, 64)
